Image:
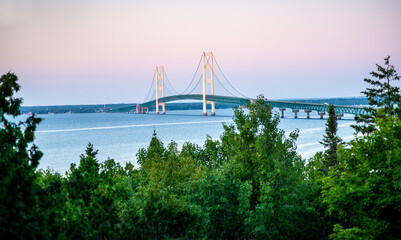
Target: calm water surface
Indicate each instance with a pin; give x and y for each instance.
(62, 138)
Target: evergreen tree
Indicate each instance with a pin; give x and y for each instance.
(331, 140)
(155, 151)
(82, 180)
(381, 95)
(18, 162)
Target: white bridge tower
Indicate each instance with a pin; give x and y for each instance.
(159, 73)
(207, 63)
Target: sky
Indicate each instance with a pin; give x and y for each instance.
(95, 51)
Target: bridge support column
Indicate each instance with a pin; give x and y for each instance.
(307, 113)
(159, 73)
(339, 116)
(321, 114)
(207, 60)
(295, 111)
(138, 108)
(282, 112)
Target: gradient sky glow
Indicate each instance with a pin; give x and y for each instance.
(85, 51)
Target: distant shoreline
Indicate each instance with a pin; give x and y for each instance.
(97, 108)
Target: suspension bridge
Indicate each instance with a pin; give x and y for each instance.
(209, 79)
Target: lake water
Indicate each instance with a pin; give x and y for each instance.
(63, 138)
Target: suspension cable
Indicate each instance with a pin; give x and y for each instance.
(154, 95)
(196, 84)
(170, 83)
(193, 76)
(223, 85)
(168, 90)
(153, 80)
(227, 79)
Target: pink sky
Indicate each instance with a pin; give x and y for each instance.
(82, 52)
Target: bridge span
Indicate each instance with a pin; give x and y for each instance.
(281, 105)
(208, 96)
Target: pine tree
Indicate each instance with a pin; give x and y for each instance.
(155, 151)
(19, 158)
(381, 95)
(331, 140)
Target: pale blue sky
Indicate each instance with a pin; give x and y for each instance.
(82, 52)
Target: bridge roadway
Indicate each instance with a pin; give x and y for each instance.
(320, 108)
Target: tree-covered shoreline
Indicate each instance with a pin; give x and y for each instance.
(249, 184)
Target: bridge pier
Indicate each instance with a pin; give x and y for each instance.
(213, 112)
(295, 111)
(139, 109)
(307, 113)
(339, 116)
(321, 114)
(282, 112)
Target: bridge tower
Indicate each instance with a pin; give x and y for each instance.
(207, 64)
(159, 73)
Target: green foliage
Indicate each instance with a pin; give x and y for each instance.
(348, 234)
(86, 203)
(84, 179)
(159, 206)
(381, 95)
(260, 154)
(358, 194)
(52, 199)
(364, 191)
(317, 171)
(224, 202)
(18, 162)
(255, 146)
(155, 151)
(331, 140)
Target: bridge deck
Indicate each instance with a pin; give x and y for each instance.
(339, 109)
